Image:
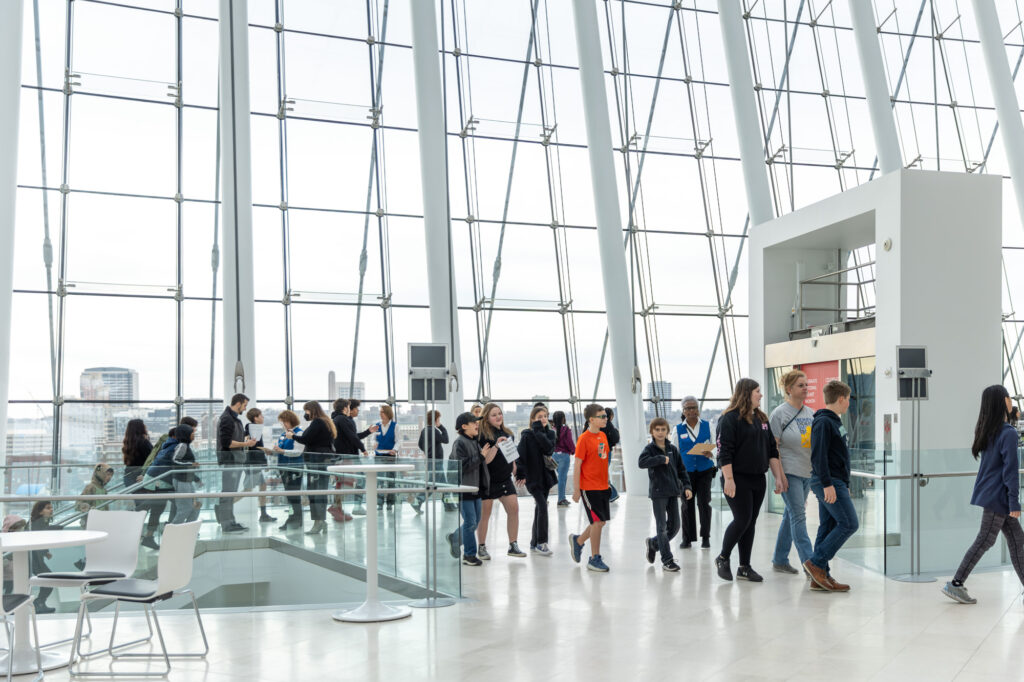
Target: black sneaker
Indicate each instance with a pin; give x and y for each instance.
(724, 571)
(148, 541)
(652, 549)
(747, 573)
(563, 503)
(705, 543)
(685, 544)
(471, 561)
(671, 567)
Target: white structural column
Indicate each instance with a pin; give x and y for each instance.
(744, 111)
(11, 16)
(876, 87)
(444, 326)
(621, 336)
(1001, 82)
(236, 202)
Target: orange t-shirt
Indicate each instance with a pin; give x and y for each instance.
(592, 451)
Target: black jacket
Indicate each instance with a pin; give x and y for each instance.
(667, 480)
(535, 444)
(472, 469)
(318, 442)
(348, 442)
(747, 446)
(612, 434)
(830, 458)
(432, 446)
(229, 428)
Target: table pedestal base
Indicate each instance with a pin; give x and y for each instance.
(373, 612)
(25, 661)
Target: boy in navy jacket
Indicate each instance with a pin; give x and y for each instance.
(830, 481)
(669, 480)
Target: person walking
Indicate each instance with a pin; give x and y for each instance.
(565, 446)
(349, 442)
(668, 482)
(473, 461)
(318, 439)
(590, 483)
(176, 455)
(500, 471)
(39, 519)
(537, 468)
(433, 438)
(996, 490)
(746, 450)
(790, 423)
(135, 449)
(692, 431)
(231, 444)
(614, 438)
(830, 468)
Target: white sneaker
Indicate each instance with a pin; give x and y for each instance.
(542, 549)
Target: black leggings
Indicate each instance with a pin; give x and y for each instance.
(539, 536)
(991, 525)
(745, 506)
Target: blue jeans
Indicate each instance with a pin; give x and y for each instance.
(793, 530)
(837, 522)
(470, 520)
(562, 459)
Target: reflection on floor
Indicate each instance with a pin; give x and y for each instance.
(548, 618)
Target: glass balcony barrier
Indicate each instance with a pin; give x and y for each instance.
(911, 523)
(259, 562)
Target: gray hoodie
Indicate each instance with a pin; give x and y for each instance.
(474, 472)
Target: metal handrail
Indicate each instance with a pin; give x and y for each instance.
(900, 477)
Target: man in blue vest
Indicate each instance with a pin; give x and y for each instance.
(690, 432)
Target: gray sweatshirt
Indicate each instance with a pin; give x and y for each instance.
(795, 457)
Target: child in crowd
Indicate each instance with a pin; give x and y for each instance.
(669, 479)
(473, 461)
(590, 482)
(830, 481)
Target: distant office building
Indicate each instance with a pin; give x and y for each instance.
(663, 391)
(109, 383)
(341, 390)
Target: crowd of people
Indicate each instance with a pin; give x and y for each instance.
(806, 452)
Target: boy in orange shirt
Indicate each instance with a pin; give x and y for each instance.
(591, 484)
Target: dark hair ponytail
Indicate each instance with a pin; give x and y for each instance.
(558, 419)
(991, 417)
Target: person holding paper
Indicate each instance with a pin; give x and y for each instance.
(691, 433)
(385, 430)
(791, 425)
(256, 460)
(501, 469)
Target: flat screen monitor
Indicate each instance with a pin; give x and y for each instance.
(428, 356)
(911, 357)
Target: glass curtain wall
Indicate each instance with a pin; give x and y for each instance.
(117, 277)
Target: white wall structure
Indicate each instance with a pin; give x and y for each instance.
(621, 337)
(937, 239)
(444, 326)
(11, 14)
(236, 201)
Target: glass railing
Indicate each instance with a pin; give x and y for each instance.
(263, 562)
(911, 523)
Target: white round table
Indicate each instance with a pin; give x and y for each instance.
(372, 610)
(19, 545)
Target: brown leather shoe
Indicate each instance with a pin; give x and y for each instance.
(837, 586)
(815, 587)
(817, 575)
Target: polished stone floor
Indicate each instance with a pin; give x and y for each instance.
(548, 618)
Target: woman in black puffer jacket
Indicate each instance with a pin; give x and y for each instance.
(537, 468)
